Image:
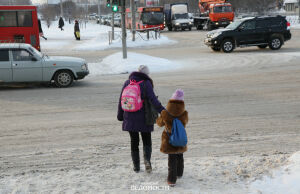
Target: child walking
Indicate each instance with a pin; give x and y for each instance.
(175, 109)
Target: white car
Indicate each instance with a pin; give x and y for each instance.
(23, 63)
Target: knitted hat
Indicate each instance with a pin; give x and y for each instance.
(144, 69)
(178, 95)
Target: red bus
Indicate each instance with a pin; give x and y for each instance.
(19, 24)
(146, 17)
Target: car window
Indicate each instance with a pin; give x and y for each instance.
(262, 23)
(21, 55)
(248, 25)
(275, 22)
(4, 55)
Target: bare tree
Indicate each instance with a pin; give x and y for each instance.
(15, 2)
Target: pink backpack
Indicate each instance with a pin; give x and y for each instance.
(131, 100)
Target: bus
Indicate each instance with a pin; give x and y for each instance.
(146, 17)
(19, 24)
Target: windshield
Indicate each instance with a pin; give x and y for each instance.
(36, 52)
(153, 18)
(181, 16)
(234, 25)
(222, 9)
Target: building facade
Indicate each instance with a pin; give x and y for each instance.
(291, 6)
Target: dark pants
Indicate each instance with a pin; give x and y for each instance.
(175, 167)
(135, 140)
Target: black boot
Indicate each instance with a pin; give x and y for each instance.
(147, 158)
(180, 165)
(136, 161)
(172, 169)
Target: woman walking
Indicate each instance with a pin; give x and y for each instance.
(77, 30)
(135, 122)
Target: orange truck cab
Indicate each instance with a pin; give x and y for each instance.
(221, 14)
(217, 13)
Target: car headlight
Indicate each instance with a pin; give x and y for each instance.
(84, 67)
(215, 35)
(190, 23)
(177, 24)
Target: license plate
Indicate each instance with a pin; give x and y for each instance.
(183, 24)
(224, 22)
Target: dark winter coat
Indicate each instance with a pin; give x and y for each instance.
(76, 27)
(176, 109)
(61, 23)
(135, 121)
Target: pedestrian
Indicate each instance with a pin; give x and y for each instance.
(61, 23)
(135, 122)
(77, 30)
(175, 109)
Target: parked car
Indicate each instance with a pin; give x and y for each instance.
(117, 22)
(264, 31)
(23, 63)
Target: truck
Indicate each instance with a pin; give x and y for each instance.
(176, 16)
(214, 14)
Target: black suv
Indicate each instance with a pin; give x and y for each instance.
(252, 31)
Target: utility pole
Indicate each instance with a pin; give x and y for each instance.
(124, 46)
(299, 11)
(133, 11)
(113, 25)
(99, 11)
(61, 9)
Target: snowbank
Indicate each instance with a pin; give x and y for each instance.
(94, 37)
(285, 180)
(115, 64)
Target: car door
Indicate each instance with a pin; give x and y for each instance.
(246, 33)
(262, 30)
(5, 66)
(26, 67)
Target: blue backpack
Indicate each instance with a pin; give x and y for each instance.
(178, 138)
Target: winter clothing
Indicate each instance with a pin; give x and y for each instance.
(144, 69)
(175, 167)
(178, 95)
(135, 121)
(61, 23)
(147, 144)
(77, 30)
(147, 157)
(175, 108)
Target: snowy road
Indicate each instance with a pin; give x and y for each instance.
(244, 110)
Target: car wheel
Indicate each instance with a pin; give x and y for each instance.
(227, 46)
(275, 43)
(199, 27)
(216, 48)
(190, 28)
(63, 79)
(170, 28)
(262, 46)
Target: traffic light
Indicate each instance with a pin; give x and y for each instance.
(115, 8)
(115, 5)
(107, 3)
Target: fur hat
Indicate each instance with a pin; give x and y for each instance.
(144, 69)
(178, 95)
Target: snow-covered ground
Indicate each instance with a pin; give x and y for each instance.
(284, 180)
(115, 64)
(95, 37)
